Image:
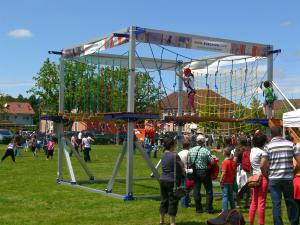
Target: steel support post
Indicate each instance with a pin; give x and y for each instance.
(180, 106)
(60, 125)
(130, 108)
(270, 79)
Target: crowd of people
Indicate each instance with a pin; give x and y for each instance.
(34, 143)
(273, 162)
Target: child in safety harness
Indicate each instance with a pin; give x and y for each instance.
(188, 79)
(270, 97)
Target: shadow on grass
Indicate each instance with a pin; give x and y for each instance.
(191, 223)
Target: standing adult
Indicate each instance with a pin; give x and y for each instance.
(183, 154)
(86, 142)
(74, 144)
(200, 156)
(278, 160)
(242, 175)
(19, 144)
(33, 144)
(259, 194)
(79, 139)
(169, 203)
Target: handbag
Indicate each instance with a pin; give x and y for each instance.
(179, 192)
(254, 181)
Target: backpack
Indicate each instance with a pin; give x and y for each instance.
(214, 168)
(246, 164)
(228, 217)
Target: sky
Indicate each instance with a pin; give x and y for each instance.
(30, 28)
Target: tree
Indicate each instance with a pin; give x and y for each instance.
(2, 102)
(45, 87)
(20, 98)
(90, 89)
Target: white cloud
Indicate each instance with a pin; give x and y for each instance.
(20, 33)
(286, 23)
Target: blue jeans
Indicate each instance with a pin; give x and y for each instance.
(227, 195)
(285, 187)
(185, 201)
(18, 152)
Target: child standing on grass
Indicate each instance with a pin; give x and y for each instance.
(227, 179)
(50, 148)
(10, 150)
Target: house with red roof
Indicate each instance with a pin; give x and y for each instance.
(17, 114)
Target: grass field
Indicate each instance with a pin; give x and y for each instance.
(30, 195)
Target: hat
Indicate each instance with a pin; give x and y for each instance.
(187, 71)
(200, 137)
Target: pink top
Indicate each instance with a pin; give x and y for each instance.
(51, 146)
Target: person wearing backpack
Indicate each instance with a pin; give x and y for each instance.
(270, 97)
(242, 158)
(259, 194)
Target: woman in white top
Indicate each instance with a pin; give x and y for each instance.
(86, 142)
(259, 194)
(183, 154)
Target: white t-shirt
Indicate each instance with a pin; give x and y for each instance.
(183, 156)
(190, 84)
(255, 157)
(79, 135)
(87, 142)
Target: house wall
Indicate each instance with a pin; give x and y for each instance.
(79, 126)
(46, 125)
(21, 119)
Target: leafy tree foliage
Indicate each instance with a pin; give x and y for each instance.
(45, 87)
(90, 89)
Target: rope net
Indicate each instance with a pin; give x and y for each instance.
(232, 92)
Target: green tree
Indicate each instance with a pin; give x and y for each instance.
(45, 87)
(20, 98)
(2, 102)
(91, 89)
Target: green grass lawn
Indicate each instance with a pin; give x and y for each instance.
(30, 195)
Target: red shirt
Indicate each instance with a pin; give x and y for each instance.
(228, 167)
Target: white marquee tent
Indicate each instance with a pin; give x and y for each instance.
(291, 119)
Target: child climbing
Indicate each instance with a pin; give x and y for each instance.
(270, 97)
(188, 79)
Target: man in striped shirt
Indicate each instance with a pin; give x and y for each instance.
(200, 156)
(278, 163)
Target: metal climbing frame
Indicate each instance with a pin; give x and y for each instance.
(131, 35)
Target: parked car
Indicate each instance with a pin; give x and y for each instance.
(99, 136)
(5, 136)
